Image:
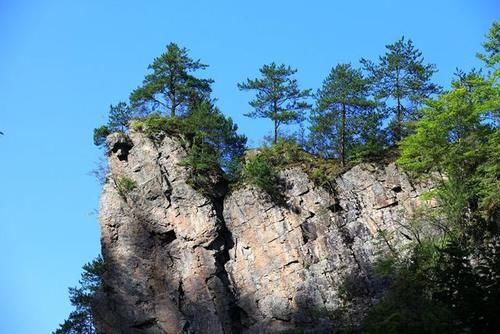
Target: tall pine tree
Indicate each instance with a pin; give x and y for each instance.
(342, 103)
(278, 96)
(402, 80)
(171, 87)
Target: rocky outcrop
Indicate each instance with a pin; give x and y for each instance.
(178, 261)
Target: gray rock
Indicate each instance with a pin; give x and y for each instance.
(178, 261)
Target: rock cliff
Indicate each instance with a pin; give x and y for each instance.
(178, 261)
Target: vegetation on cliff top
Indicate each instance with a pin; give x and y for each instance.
(447, 283)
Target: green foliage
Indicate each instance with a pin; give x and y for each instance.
(119, 116)
(118, 119)
(278, 96)
(217, 139)
(124, 185)
(408, 307)
(170, 87)
(491, 56)
(401, 76)
(156, 126)
(100, 135)
(452, 138)
(341, 106)
(450, 281)
(81, 320)
(211, 140)
(262, 166)
(260, 172)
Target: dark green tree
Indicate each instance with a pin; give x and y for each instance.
(341, 104)
(216, 142)
(81, 320)
(171, 87)
(278, 96)
(402, 80)
(118, 118)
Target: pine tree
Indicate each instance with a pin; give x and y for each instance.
(118, 118)
(342, 103)
(81, 320)
(278, 96)
(170, 86)
(402, 79)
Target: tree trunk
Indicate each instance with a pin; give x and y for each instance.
(276, 125)
(342, 136)
(276, 122)
(172, 110)
(398, 130)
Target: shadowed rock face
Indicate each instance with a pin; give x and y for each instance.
(180, 262)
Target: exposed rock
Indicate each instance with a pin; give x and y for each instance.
(178, 261)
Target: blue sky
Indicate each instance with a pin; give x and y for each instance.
(63, 62)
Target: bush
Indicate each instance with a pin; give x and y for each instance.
(156, 126)
(125, 185)
(100, 135)
(285, 153)
(260, 172)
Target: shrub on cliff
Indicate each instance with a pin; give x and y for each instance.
(262, 167)
(210, 138)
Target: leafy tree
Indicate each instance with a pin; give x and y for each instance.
(371, 143)
(171, 86)
(401, 76)
(81, 320)
(456, 272)
(452, 138)
(278, 96)
(341, 104)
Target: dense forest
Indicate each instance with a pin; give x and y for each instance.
(387, 109)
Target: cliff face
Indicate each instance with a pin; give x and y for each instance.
(180, 262)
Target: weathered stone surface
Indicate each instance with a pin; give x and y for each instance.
(292, 264)
(181, 262)
(162, 245)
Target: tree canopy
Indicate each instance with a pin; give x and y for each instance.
(403, 81)
(341, 104)
(278, 96)
(81, 320)
(170, 87)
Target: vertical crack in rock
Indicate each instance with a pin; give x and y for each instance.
(232, 315)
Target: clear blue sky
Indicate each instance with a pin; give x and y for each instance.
(63, 62)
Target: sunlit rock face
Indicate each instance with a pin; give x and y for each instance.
(178, 261)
